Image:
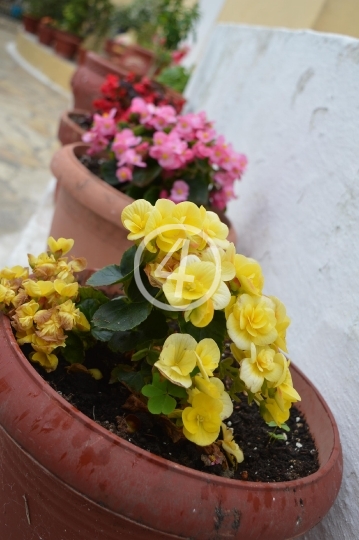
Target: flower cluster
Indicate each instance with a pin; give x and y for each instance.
(160, 154)
(41, 305)
(118, 92)
(195, 275)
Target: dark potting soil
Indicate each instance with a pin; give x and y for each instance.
(84, 121)
(266, 459)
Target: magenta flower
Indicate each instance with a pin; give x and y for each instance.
(179, 191)
(124, 174)
(130, 157)
(105, 124)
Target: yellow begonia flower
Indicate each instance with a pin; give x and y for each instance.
(66, 289)
(82, 323)
(49, 326)
(68, 314)
(264, 363)
(65, 270)
(273, 412)
(201, 421)
(227, 260)
(44, 266)
(249, 274)
(6, 292)
(95, 373)
(177, 224)
(277, 408)
(134, 218)
(178, 359)
(214, 228)
(229, 445)
(25, 337)
(285, 391)
(208, 356)
(252, 321)
(62, 245)
(47, 361)
(283, 321)
(37, 289)
(189, 282)
(24, 316)
(214, 387)
(202, 315)
(16, 272)
(41, 345)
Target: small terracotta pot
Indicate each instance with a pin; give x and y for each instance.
(89, 77)
(66, 477)
(69, 132)
(31, 24)
(133, 58)
(88, 210)
(46, 34)
(66, 44)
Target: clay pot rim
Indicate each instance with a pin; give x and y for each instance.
(102, 66)
(162, 462)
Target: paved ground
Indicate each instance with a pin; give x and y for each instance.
(29, 114)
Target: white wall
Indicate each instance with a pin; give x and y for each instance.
(290, 101)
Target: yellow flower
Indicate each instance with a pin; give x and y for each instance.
(134, 218)
(24, 316)
(214, 228)
(263, 364)
(82, 323)
(47, 361)
(6, 292)
(272, 412)
(68, 314)
(229, 445)
(213, 387)
(65, 270)
(189, 282)
(227, 260)
(202, 315)
(283, 321)
(277, 408)
(44, 266)
(178, 359)
(41, 345)
(48, 325)
(249, 275)
(208, 356)
(16, 272)
(252, 321)
(66, 289)
(201, 421)
(37, 289)
(60, 246)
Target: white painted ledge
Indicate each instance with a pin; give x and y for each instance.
(289, 100)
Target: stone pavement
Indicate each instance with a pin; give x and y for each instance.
(29, 115)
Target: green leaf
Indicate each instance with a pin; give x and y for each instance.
(123, 341)
(101, 335)
(134, 379)
(95, 294)
(119, 314)
(216, 329)
(168, 404)
(144, 176)
(89, 307)
(114, 273)
(154, 327)
(152, 194)
(149, 390)
(152, 357)
(108, 172)
(154, 404)
(134, 293)
(139, 355)
(74, 352)
(198, 190)
(177, 391)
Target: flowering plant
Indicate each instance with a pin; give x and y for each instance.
(190, 331)
(118, 92)
(160, 154)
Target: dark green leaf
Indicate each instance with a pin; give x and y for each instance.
(134, 379)
(144, 176)
(74, 351)
(198, 190)
(114, 273)
(123, 341)
(101, 335)
(89, 307)
(152, 194)
(134, 293)
(139, 355)
(216, 329)
(177, 391)
(154, 327)
(119, 314)
(90, 292)
(108, 172)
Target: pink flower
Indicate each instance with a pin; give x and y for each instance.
(164, 194)
(202, 151)
(143, 109)
(206, 135)
(218, 199)
(130, 157)
(124, 174)
(179, 191)
(105, 124)
(124, 140)
(163, 117)
(169, 150)
(97, 142)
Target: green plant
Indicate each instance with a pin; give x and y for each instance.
(45, 8)
(175, 21)
(87, 17)
(175, 77)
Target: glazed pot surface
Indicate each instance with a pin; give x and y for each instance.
(66, 478)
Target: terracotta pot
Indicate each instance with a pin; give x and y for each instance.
(87, 210)
(70, 132)
(81, 55)
(31, 24)
(46, 34)
(66, 477)
(89, 77)
(132, 57)
(66, 44)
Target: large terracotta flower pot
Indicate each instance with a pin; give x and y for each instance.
(66, 44)
(89, 77)
(88, 210)
(70, 132)
(31, 24)
(64, 477)
(134, 58)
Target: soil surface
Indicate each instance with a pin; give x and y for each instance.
(266, 459)
(84, 121)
